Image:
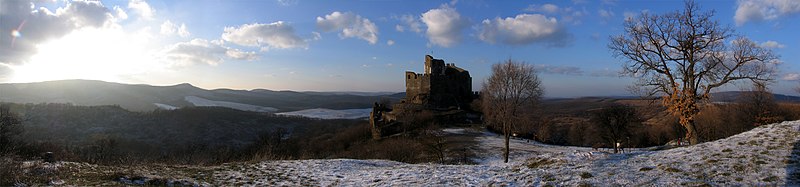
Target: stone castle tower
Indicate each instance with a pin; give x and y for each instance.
(441, 86)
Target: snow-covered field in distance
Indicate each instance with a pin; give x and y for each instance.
(324, 113)
(165, 106)
(199, 101)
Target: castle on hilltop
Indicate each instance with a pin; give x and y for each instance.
(441, 86)
(442, 94)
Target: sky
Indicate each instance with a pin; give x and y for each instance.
(351, 45)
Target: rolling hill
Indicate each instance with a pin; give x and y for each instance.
(139, 97)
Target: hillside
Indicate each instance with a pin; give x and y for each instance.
(766, 155)
(138, 97)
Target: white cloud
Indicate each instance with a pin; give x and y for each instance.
(183, 31)
(556, 69)
(121, 15)
(37, 25)
(772, 45)
(201, 51)
(86, 14)
(408, 21)
(524, 29)
(169, 28)
(287, 2)
(352, 26)
(546, 8)
(389, 42)
(142, 8)
(567, 14)
(605, 14)
(761, 10)
(606, 73)
(445, 25)
(279, 35)
(791, 77)
(577, 2)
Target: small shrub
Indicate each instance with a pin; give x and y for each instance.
(645, 169)
(726, 150)
(586, 175)
(671, 169)
(539, 162)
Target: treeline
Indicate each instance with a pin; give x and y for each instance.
(650, 124)
(111, 135)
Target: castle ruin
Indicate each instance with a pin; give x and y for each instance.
(443, 92)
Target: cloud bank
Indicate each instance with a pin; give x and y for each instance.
(276, 35)
(445, 26)
(524, 29)
(763, 10)
(351, 26)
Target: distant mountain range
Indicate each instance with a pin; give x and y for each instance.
(139, 97)
(733, 96)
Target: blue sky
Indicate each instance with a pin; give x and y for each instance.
(350, 45)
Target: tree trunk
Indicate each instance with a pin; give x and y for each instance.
(505, 152)
(691, 132)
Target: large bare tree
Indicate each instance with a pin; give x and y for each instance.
(685, 54)
(513, 89)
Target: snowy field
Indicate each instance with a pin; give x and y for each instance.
(324, 113)
(199, 101)
(765, 156)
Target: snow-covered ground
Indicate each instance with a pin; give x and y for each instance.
(199, 101)
(324, 113)
(764, 156)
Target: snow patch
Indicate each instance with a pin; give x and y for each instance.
(199, 101)
(324, 113)
(165, 106)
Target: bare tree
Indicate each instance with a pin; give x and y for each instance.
(614, 123)
(758, 106)
(512, 89)
(683, 55)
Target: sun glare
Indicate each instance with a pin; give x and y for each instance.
(106, 54)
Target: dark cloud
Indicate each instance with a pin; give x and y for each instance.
(36, 25)
(562, 70)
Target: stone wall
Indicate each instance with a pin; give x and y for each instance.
(441, 86)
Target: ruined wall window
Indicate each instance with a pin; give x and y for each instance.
(408, 76)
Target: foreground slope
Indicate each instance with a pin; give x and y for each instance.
(767, 155)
